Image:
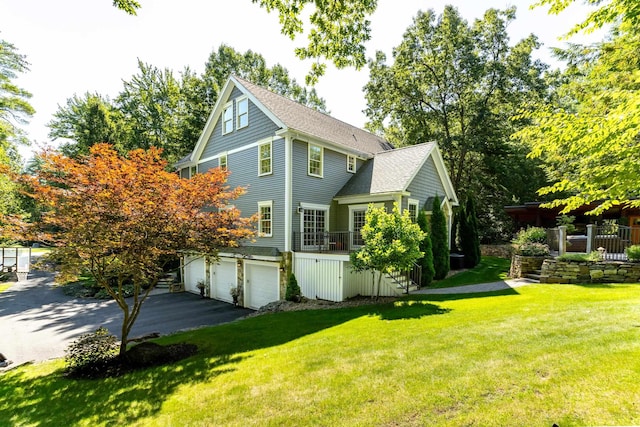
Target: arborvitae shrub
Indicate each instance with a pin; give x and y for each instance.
(439, 240)
(425, 246)
(293, 290)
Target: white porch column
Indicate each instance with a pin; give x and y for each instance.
(562, 240)
(590, 237)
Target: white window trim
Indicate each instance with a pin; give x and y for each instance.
(260, 173)
(309, 146)
(226, 161)
(355, 163)
(416, 203)
(224, 109)
(193, 170)
(315, 207)
(238, 100)
(269, 204)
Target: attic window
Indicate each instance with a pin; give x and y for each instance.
(242, 107)
(227, 118)
(351, 164)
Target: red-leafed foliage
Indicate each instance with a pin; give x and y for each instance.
(120, 217)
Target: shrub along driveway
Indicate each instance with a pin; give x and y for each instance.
(37, 321)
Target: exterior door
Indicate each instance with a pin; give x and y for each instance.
(314, 226)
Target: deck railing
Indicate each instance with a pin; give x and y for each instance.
(610, 240)
(326, 241)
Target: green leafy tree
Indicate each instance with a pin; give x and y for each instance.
(440, 241)
(426, 262)
(391, 242)
(15, 110)
(156, 108)
(85, 121)
(459, 84)
(337, 30)
(129, 6)
(588, 136)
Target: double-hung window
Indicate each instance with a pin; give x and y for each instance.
(265, 222)
(264, 159)
(227, 118)
(242, 108)
(315, 160)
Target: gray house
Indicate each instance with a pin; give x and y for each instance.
(310, 177)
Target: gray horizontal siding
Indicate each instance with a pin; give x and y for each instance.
(311, 189)
(425, 184)
(244, 172)
(260, 126)
(203, 167)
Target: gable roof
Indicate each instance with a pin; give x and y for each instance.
(298, 117)
(294, 117)
(393, 171)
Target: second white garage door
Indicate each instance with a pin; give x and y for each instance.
(194, 272)
(224, 276)
(261, 283)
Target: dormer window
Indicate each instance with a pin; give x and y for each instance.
(242, 108)
(227, 118)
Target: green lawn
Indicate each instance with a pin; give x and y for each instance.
(534, 356)
(490, 269)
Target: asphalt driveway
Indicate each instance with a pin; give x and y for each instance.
(37, 321)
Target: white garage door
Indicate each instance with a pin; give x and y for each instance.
(194, 271)
(261, 283)
(224, 276)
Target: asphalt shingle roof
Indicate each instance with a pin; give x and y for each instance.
(311, 122)
(388, 172)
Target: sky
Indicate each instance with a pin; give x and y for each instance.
(79, 46)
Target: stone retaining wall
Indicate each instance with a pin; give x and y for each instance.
(521, 265)
(554, 271)
(500, 251)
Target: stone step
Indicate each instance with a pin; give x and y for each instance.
(533, 276)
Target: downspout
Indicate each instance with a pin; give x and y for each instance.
(287, 193)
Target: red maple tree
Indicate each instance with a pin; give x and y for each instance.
(119, 218)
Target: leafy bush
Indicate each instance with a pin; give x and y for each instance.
(127, 291)
(531, 235)
(593, 256)
(293, 292)
(91, 353)
(533, 249)
(633, 252)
